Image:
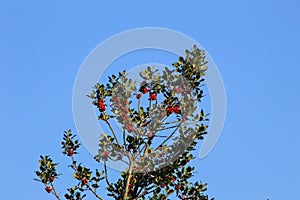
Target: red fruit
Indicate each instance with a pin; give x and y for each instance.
(117, 99)
(117, 104)
(106, 154)
(163, 185)
(149, 134)
(52, 178)
(184, 118)
(178, 187)
(48, 189)
(152, 96)
(138, 96)
(143, 90)
(101, 105)
(84, 181)
(176, 109)
(129, 127)
(70, 152)
(102, 109)
(170, 109)
(177, 90)
(125, 118)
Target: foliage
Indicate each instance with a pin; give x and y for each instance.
(160, 127)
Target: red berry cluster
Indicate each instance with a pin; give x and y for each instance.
(173, 109)
(144, 90)
(129, 127)
(101, 105)
(122, 106)
(180, 89)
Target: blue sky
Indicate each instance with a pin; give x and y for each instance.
(255, 45)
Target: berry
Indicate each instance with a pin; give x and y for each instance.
(129, 127)
(185, 118)
(152, 96)
(117, 100)
(138, 96)
(101, 105)
(48, 189)
(178, 187)
(52, 178)
(170, 109)
(70, 152)
(150, 135)
(84, 181)
(106, 154)
(177, 90)
(143, 90)
(176, 109)
(125, 118)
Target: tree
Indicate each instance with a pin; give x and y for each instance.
(161, 124)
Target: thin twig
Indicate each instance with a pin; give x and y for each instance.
(96, 195)
(145, 192)
(106, 174)
(171, 135)
(113, 132)
(54, 191)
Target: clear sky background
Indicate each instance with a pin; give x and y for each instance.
(255, 45)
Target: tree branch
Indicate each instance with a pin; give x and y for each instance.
(87, 185)
(113, 132)
(128, 180)
(171, 135)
